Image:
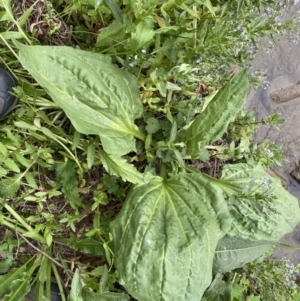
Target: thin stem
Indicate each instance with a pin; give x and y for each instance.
(15, 214)
(195, 27)
(12, 226)
(139, 135)
(45, 254)
(17, 217)
(12, 19)
(54, 137)
(58, 281)
(48, 281)
(286, 246)
(163, 171)
(9, 47)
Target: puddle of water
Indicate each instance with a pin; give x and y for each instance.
(282, 64)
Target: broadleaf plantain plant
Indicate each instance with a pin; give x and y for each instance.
(178, 226)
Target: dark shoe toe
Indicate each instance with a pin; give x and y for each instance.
(7, 100)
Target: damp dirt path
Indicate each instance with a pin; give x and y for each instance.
(282, 64)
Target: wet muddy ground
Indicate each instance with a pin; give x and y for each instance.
(282, 64)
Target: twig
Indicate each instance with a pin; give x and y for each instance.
(215, 167)
(45, 254)
(233, 277)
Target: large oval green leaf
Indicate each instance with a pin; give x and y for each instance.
(234, 252)
(213, 122)
(97, 96)
(261, 208)
(165, 238)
